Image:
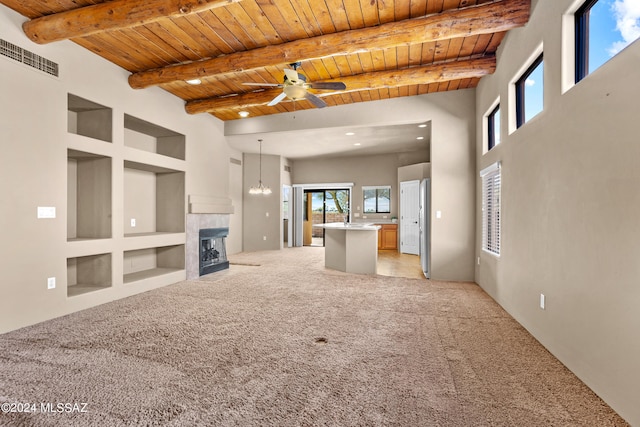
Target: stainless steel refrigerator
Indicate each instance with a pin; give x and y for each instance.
(424, 219)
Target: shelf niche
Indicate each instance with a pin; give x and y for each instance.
(88, 274)
(146, 136)
(142, 264)
(88, 196)
(155, 198)
(89, 119)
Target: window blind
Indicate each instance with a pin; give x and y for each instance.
(491, 183)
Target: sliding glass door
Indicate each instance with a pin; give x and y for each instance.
(321, 207)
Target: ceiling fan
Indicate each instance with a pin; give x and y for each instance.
(295, 85)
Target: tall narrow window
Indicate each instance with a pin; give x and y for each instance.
(530, 92)
(603, 28)
(491, 182)
(493, 128)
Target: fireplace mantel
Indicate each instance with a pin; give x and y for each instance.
(210, 205)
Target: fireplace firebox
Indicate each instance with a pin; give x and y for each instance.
(213, 251)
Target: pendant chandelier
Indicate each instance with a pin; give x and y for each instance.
(260, 189)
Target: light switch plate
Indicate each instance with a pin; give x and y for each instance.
(51, 283)
(46, 212)
(133, 222)
(438, 214)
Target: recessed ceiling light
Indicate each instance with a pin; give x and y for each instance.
(420, 137)
(357, 143)
(422, 126)
(243, 114)
(194, 81)
(350, 133)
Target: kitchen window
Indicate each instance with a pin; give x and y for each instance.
(377, 199)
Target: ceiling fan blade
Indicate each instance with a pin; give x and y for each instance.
(328, 85)
(263, 84)
(292, 75)
(277, 99)
(315, 100)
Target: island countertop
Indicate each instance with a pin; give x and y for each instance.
(351, 247)
(356, 226)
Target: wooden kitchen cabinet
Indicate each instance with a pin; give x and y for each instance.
(388, 237)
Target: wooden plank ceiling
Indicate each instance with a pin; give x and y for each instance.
(379, 48)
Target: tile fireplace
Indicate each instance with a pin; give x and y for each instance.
(213, 251)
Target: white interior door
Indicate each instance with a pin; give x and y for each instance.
(409, 217)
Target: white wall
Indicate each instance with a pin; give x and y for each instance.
(236, 186)
(33, 169)
(262, 214)
(570, 210)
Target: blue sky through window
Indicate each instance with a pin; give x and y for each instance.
(534, 92)
(613, 25)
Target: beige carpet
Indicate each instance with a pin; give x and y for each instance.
(280, 341)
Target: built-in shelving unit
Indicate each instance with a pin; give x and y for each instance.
(142, 135)
(88, 196)
(140, 168)
(89, 119)
(88, 274)
(142, 264)
(154, 199)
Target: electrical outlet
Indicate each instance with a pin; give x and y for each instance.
(266, 214)
(51, 283)
(133, 222)
(264, 237)
(542, 301)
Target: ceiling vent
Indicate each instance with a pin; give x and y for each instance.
(29, 58)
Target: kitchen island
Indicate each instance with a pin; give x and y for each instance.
(351, 247)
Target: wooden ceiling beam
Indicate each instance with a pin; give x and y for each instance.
(473, 20)
(448, 71)
(111, 15)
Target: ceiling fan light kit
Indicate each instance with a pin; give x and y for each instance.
(295, 87)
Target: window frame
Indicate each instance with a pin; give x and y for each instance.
(377, 188)
(581, 17)
(491, 127)
(491, 178)
(520, 85)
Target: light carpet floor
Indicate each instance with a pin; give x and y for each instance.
(278, 340)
